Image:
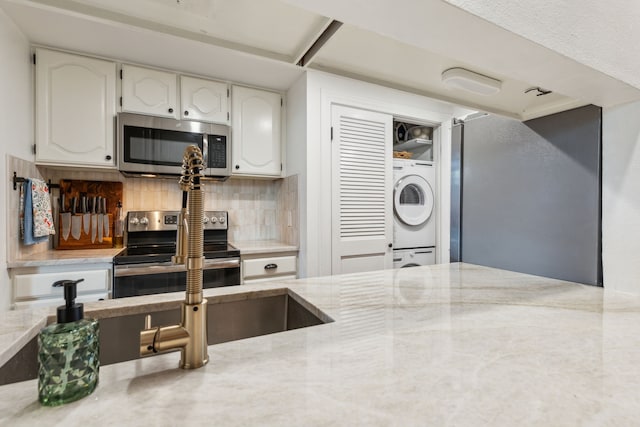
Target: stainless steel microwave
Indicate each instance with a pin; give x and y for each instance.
(153, 146)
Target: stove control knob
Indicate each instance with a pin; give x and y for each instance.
(144, 220)
(222, 220)
(205, 220)
(134, 221)
(214, 220)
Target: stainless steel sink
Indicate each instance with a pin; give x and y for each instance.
(230, 318)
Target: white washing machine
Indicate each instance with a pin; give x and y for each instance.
(414, 214)
(413, 257)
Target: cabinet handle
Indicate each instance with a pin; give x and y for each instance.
(108, 157)
(390, 245)
(237, 166)
(171, 110)
(186, 112)
(271, 266)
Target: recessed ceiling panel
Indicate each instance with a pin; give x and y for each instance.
(360, 53)
(269, 25)
(81, 33)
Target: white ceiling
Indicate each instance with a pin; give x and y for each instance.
(405, 44)
(240, 22)
(601, 34)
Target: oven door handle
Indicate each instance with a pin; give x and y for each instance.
(169, 267)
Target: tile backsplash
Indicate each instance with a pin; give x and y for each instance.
(287, 210)
(258, 209)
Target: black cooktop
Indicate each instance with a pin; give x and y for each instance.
(163, 253)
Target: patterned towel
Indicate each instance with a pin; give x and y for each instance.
(35, 212)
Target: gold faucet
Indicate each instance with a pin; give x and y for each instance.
(190, 336)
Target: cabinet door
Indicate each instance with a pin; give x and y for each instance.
(269, 266)
(75, 109)
(256, 132)
(204, 100)
(362, 208)
(148, 91)
(34, 286)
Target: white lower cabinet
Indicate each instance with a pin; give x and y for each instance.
(32, 286)
(262, 267)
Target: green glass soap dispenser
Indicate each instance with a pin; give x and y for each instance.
(68, 353)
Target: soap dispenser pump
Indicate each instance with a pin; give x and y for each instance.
(68, 352)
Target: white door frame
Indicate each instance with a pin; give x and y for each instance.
(442, 153)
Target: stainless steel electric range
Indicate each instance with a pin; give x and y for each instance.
(145, 266)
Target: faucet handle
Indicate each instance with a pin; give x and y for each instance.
(148, 337)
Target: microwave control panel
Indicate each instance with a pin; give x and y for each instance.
(217, 151)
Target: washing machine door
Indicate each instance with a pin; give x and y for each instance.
(413, 200)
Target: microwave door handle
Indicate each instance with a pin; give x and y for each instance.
(205, 152)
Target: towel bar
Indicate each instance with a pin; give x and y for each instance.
(17, 179)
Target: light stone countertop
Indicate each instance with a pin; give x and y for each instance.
(450, 344)
(66, 257)
(251, 247)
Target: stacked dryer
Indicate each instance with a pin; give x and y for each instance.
(414, 213)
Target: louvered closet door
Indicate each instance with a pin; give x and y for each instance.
(361, 190)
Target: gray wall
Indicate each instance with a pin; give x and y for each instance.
(531, 194)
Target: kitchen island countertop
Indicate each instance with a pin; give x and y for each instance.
(450, 344)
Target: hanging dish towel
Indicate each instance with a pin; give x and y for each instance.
(35, 212)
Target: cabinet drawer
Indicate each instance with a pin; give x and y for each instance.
(39, 285)
(271, 266)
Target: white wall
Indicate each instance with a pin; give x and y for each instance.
(16, 124)
(296, 158)
(621, 198)
(324, 89)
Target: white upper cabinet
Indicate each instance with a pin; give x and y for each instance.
(155, 92)
(75, 110)
(255, 123)
(149, 91)
(204, 100)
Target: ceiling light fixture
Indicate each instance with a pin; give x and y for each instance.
(459, 78)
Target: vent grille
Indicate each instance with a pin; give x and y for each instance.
(362, 179)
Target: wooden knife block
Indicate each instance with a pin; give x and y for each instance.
(110, 190)
(84, 242)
